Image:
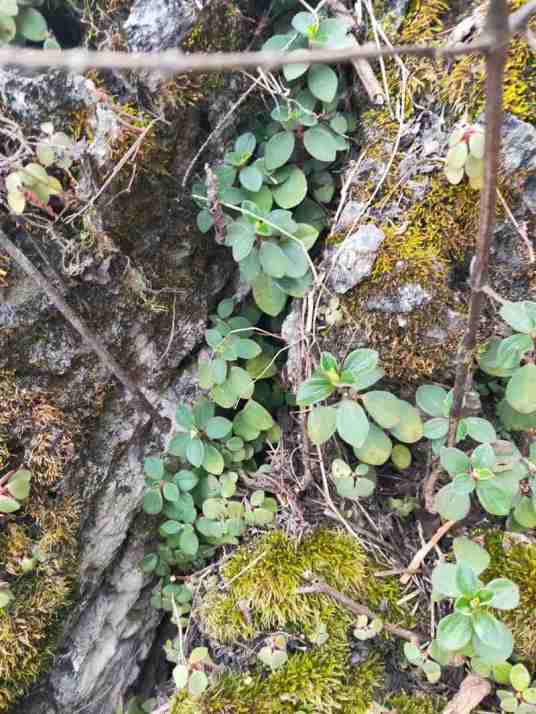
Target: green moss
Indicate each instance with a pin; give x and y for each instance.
(415, 704)
(265, 576)
(517, 561)
(30, 625)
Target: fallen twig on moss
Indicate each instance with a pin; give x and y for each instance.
(472, 691)
(421, 554)
(321, 588)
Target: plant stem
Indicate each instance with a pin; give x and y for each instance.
(94, 342)
(319, 587)
(497, 31)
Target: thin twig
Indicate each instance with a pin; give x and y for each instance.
(497, 29)
(522, 231)
(421, 554)
(94, 342)
(321, 588)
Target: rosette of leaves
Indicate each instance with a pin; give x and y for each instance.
(194, 673)
(354, 484)
(20, 23)
(472, 629)
(510, 358)
(493, 472)
(31, 181)
(366, 628)
(436, 402)
(466, 156)
(56, 149)
(14, 490)
(420, 658)
(360, 418)
(274, 653)
(522, 697)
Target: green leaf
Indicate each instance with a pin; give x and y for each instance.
(19, 484)
(410, 428)
(197, 683)
(457, 156)
(480, 430)
(292, 192)
(364, 380)
(466, 580)
(505, 594)
(361, 360)
(263, 199)
(153, 501)
(521, 389)
(376, 449)
(305, 23)
(352, 423)
(493, 498)
(454, 461)
(8, 30)
(293, 71)
(273, 259)
(454, 632)
(520, 677)
(320, 144)
(323, 82)
(240, 383)
(467, 551)
(525, 514)
(184, 417)
(180, 676)
(204, 221)
(257, 416)
(170, 528)
(31, 24)
(513, 348)
(245, 143)
(149, 563)
(186, 480)
(251, 178)
(444, 580)
(8, 505)
(224, 395)
(268, 295)
(177, 445)
(483, 457)
(516, 315)
(188, 541)
(170, 491)
(436, 428)
(314, 390)
(218, 427)
(492, 633)
(321, 424)
(383, 407)
(195, 452)
(279, 150)
(213, 460)
(477, 144)
(203, 410)
(296, 255)
(450, 505)
(242, 240)
(431, 399)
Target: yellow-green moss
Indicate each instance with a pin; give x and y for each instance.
(320, 681)
(263, 579)
(517, 561)
(29, 625)
(415, 704)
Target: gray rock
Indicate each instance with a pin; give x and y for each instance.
(350, 213)
(406, 299)
(519, 145)
(529, 194)
(155, 25)
(350, 263)
(51, 96)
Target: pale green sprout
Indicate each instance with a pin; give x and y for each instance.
(465, 156)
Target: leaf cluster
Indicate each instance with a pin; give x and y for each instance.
(194, 673)
(15, 491)
(522, 699)
(274, 653)
(465, 156)
(471, 629)
(361, 418)
(20, 23)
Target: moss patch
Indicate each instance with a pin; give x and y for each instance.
(415, 704)
(29, 626)
(516, 561)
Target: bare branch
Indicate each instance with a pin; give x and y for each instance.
(497, 28)
(94, 342)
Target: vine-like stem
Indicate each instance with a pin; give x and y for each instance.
(321, 588)
(94, 342)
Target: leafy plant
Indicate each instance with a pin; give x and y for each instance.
(465, 156)
(351, 416)
(435, 401)
(274, 653)
(472, 630)
(353, 484)
(20, 23)
(6, 596)
(522, 699)
(512, 359)
(367, 628)
(14, 490)
(419, 658)
(493, 472)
